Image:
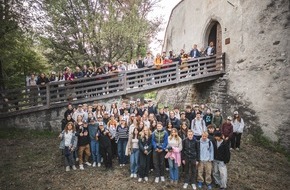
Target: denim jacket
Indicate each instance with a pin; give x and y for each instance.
(74, 141)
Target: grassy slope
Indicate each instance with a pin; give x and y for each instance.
(32, 160)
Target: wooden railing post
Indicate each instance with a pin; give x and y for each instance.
(48, 95)
(177, 72)
(125, 82)
(224, 62)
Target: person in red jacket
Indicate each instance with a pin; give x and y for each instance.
(227, 129)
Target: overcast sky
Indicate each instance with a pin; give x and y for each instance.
(164, 10)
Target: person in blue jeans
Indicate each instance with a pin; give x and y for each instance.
(133, 151)
(174, 155)
(122, 134)
(95, 147)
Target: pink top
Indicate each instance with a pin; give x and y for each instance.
(174, 155)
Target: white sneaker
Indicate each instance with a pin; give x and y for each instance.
(99, 164)
(162, 178)
(121, 165)
(77, 159)
(135, 175)
(185, 186)
(140, 180)
(193, 186)
(132, 175)
(94, 164)
(237, 149)
(88, 164)
(156, 179)
(67, 169)
(146, 179)
(74, 167)
(82, 167)
(167, 169)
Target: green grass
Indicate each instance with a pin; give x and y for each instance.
(13, 133)
(263, 141)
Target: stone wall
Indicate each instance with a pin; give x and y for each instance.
(43, 120)
(257, 57)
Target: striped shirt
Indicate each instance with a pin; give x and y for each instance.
(122, 132)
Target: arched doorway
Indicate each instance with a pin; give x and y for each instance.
(214, 34)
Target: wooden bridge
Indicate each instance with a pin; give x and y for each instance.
(58, 94)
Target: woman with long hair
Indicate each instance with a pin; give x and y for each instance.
(238, 129)
(174, 155)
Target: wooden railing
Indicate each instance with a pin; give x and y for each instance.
(57, 94)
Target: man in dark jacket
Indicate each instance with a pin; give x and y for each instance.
(82, 133)
(41, 82)
(69, 111)
(172, 119)
(162, 117)
(221, 158)
(190, 157)
(189, 115)
(105, 145)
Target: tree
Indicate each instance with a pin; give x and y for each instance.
(97, 30)
(17, 55)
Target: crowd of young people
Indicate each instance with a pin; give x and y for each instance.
(194, 142)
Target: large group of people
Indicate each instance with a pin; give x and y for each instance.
(192, 144)
(38, 82)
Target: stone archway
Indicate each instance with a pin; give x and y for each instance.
(214, 34)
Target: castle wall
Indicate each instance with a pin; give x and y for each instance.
(257, 57)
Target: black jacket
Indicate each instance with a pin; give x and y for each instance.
(222, 153)
(64, 122)
(162, 118)
(82, 140)
(143, 142)
(190, 149)
(104, 139)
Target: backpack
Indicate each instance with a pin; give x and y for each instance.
(209, 144)
(195, 121)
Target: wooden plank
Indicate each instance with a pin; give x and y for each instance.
(121, 83)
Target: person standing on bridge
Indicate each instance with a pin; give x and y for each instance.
(210, 50)
(158, 62)
(194, 53)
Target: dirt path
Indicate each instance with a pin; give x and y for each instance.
(35, 163)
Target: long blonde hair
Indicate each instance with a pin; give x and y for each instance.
(177, 138)
(142, 133)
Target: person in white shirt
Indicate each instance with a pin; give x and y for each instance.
(198, 126)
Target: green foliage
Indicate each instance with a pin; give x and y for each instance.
(17, 54)
(150, 95)
(97, 31)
